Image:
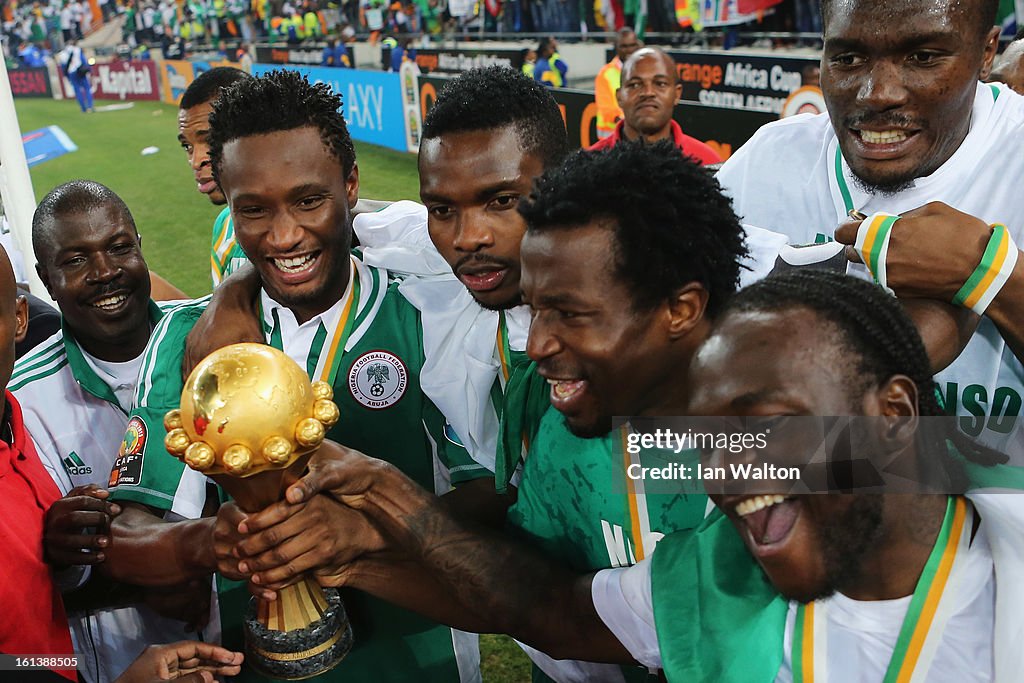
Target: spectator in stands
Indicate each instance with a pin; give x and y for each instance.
(67, 23)
(312, 29)
(550, 68)
(402, 53)
(808, 19)
(608, 80)
(294, 28)
(80, 18)
(244, 57)
(335, 55)
(31, 55)
(529, 61)
(648, 95)
(1009, 66)
(347, 33)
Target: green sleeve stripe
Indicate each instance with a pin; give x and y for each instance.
(467, 468)
(22, 364)
(50, 371)
(153, 351)
(28, 369)
(361, 315)
(366, 317)
(157, 499)
(168, 306)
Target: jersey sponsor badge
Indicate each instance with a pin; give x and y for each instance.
(378, 379)
(127, 469)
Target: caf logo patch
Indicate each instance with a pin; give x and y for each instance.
(378, 379)
(127, 469)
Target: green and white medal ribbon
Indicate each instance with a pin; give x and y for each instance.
(923, 624)
(997, 263)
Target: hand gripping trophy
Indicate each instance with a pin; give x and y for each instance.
(250, 419)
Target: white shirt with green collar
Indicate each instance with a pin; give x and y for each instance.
(76, 409)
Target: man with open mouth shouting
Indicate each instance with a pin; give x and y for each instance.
(873, 587)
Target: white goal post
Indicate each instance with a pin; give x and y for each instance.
(16, 194)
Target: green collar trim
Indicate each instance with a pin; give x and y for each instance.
(80, 370)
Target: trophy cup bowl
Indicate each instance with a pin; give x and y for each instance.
(250, 419)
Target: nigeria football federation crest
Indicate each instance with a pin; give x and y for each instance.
(378, 379)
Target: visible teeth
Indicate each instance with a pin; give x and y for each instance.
(883, 137)
(293, 264)
(752, 505)
(564, 389)
(110, 302)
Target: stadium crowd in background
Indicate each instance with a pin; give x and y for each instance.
(52, 22)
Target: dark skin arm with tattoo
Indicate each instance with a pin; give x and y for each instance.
(445, 568)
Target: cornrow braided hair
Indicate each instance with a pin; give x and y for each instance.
(277, 101)
(884, 341)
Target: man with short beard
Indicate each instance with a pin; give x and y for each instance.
(909, 124)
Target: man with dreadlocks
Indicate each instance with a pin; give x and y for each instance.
(281, 154)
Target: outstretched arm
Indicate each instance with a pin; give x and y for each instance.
(145, 550)
(445, 568)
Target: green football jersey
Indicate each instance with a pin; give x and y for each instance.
(576, 504)
(383, 414)
(225, 254)
(712, 601)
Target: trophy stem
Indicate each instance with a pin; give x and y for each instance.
(301, 634)
(297, 606)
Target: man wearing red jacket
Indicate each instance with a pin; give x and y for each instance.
(648, 94)
(34, 621)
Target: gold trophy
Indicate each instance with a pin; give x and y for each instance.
(250, 419)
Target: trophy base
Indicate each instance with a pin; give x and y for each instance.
(301, 653)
